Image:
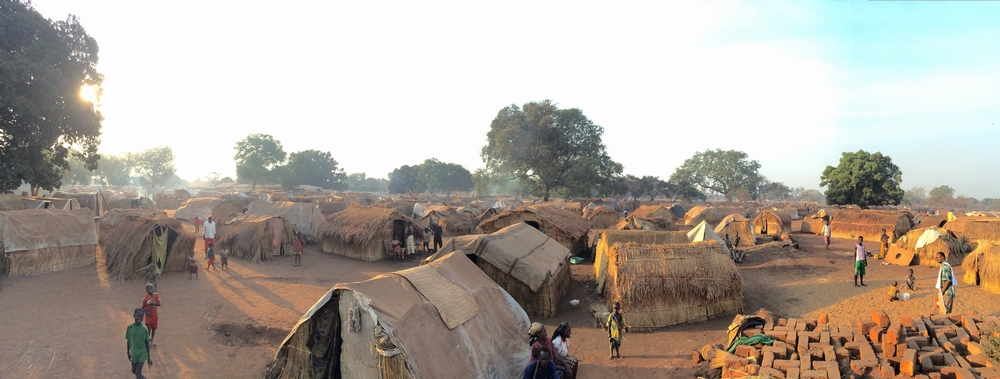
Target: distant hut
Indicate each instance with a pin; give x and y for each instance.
(663, 285)
(256, 238)
(607, 238)
(306, 217)
(814, 223)
(736, 225)
(701, 213)
(398, 325)
(924, 220)
(772, 223)
(602, 217)
(452, 222)
(925, 243)
(569, 228)
(363, 232)
(572, 206)
(677, 210)
(631, 222)
(111, 218)
(852, 223)
(39, 241)
(979, 228)
(660, 215)
(486, 215)
(11, 202)
(203, 207)
(530, 266)
(135, 242)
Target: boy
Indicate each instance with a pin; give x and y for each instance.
(860, 262)
(151, 275)
(197, 226)
(826, 233)
(137, 344)
(192, 265)
(150, 303)
(894, 291)
(911, 281)
(297, 248)
(616, 330)
(211, 257)
(397, 249)
(884, 245)
(224, 258)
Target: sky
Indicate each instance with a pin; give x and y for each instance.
(381, 84)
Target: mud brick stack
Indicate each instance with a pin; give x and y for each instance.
(912, 347)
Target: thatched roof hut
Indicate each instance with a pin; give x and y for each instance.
(978, 228)
(989, 266)
(650, 212)
(363, 232)
(11, 202)
(700, 213)
(113, 216)
(814, 223)
(925, 243)
(772, 223)
(203, 207)
(573, 206)
(924, 220)
(530, 266)
(38, 241)
(631, 222)
(974, 261)
(661, 285)
(486, 215)
(605, 239)
(127, 202)
(397, 325)
(452, 222)
(252, 237)
(852, 223)
(306, 217)
(562, 225)
(135, 242)
(602, 217)
(736, 225)
(93, 200)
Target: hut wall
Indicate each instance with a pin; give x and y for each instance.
(544, 303)
(604, 221)
(743, 229)
(812, 225)
(777, 223)
(371, 251)
(52, 259)
(989, 267)
(852, 224)
(983, 230)
(358, 358)
(177, 251)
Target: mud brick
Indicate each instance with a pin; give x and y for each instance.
(785, 364)
(908, 366)
(792, 373)
(735, 362)
(860, 366)
(822, 365)
(976, 360)
(753, 369)
(956, 318)
(777, 335)
(813, 374)
(768, 326)
(957, 373)
(829, 353)
(782, 322)
(842, 352)
(970, 326)
(926, 364)
(921, 327)
(918, 341)
(880, 318)
(895, 334)
(900, 349)
(907, 321)
(781, 328)
(949, 347)
(696, 357)
(840, 338)
(949, 360)
(888, 349)
(821, 327)
(767, 371)
(987, 372)
(805, 362)
(887, 370)
(792, 322)
(940, 319)
(767, 359)
(874, 335)
(823, 318)
(743, 350)
(961, 361)
(792, 338)
(833, 371)
(921, 377)
(865, 327)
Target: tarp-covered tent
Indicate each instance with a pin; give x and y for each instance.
(925, 243)
(602, 217)
(398, 325)
(772, 223)
(737, 225)
(93, 200)
(658, 214)
(420, 210)
(38, 241)
(852, 223)
(631, 222)
(605, 239)
(696, 215)
(530, 266)
(363, 232)
(135, 242)
(202, 207)
(306, 217)
(256, 238)
(565, 226)
(703, 232)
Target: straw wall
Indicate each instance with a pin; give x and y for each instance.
(744, 229)
(128, 247)
(700, 213)
(542, 304)
(250, 237)
(812, 225)
(772, 223)
(989, 266)
(661, 285)
(52, 259)
(602, 217)
(985, 229)
(851, 224)
(368, 251)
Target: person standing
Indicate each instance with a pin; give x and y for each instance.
(616, 328)
(411, 246)
(883, 245)
(150, 304)
(437, 237)
(297, 249)
(224, 259)
(209, 234)
(211, 257)
(197, 226)
(860, 262)
(945, 284)
(137, 344)
(192, 265)
(826, 233)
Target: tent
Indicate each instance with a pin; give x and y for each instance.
(363, 232)
(658, 214)
(772, 223)
(12, 202)
(696, 215)
(607, 238)
(925, 243)
(631, 222)
(256, 238)
(567, 227)
(737, 225)
(304, 216)
(703, 232)
(135, 241)
(202, 207)
(38, 241)
(602, 217)
(452, 222)
(530, 266)
(445, 319)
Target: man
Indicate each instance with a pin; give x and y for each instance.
(437, 237)
(826, 233)
(945, 284)
(860, 262)
(209, 234)
(541, 367)
(297, 249)
(137, 344)
(616, 330)
(150, 303)
(884, 246)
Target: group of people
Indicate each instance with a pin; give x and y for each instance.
(732, 245)
(945, 283)
(139, 336)
(413, 241)
(550, 357)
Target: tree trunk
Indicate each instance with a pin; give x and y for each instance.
(34, 190)
(545, 193)
(253, 185)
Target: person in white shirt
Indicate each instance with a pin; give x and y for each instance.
(209, 234)
(860, 262)
(826, 233)
(560, 342)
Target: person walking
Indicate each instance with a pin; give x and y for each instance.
(211, 257)
(826, 233)
(437, 237)
(860, 262)
(883, 245)
(209, 234)
(150, 304)
(137, 344)
(197, 226)
(945, 284)
(297, 249)
(192, 265)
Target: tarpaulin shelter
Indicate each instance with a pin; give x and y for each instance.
(38, 241)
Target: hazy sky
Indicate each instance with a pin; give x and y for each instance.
(381, 84)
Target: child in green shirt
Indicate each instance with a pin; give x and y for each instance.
(137, 344)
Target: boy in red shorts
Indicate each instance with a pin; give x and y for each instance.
(149, 305)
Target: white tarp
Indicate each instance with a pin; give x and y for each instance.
(34, 229)
(703, 232)
(305, 216)
(929, 235)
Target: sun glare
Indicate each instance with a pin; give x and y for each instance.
(89, 93)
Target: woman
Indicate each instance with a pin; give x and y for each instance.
(560, 340)
(537, 336)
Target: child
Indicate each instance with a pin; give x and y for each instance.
(397, 249)
(151, 275)
(894, 291)
(616, 328)
(150, 304)
(297, 248)
(211, 257)
(224, 259)
(192, 265)
(137, 344)
(911, 281)
(197, 226)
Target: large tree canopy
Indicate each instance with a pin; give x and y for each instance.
(723, 172)
(864, 179)
(43, 66)
(314, 168)
(155, 165)
(256, 156)
(557, 149)
(431, 176)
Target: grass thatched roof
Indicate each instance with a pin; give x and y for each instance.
(654, 211)
(737, 225)
(250, 236)
(982, 229)
(552, 219)
(635, 223)
(601, 217)
(989, 265)
(852, 223)
(772, 223)
(11, 202)
(449, 218)
(127, 249)
(700, 213)
(360, 224)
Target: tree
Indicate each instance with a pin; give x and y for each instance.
(942, 191)
(812, 196)
(864, 179)
(227, 180)
(774, 191)
(437, 176)
(405, 178)
(721, 171)
(77, 174)
(212, 179)
(359, 181)
(549, 148)
(942, 196)
(44, 65)
(114, 170)
(156, 165)
(256, 156)
(314, 168)
(915, 196)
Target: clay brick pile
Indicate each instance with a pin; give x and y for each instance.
(915, 346)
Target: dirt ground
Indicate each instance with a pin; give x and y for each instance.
(227, 324)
